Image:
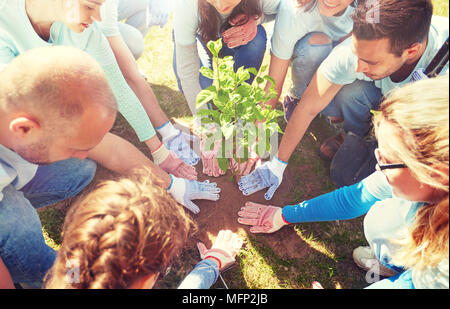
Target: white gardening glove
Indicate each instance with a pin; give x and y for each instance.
(109, 14)
(158, 12)
(269, 175)
(184, 191)
(224, 249)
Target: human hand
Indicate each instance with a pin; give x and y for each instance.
(209, 159)
(245, 167)
(184, 191)
(224, 249)
(178, 143)
(158, 12)
(177, 167)
(262, 218)
(239, 34)
(269, 175)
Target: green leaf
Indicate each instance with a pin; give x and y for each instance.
(253, 71)
(207, 72)
(215, 47)
(223, 164)
(227, 130)
(205, 96)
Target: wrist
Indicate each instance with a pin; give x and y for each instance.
(279, 219)
(167, 131)
(216, 260)
(160, 154)
(278, 165)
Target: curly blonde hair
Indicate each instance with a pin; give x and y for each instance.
(420, 111)
(122, 231)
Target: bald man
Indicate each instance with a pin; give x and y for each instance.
(56, 110)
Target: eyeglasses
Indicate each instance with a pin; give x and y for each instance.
(382, 167)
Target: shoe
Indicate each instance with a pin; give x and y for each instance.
(289, 104)
(365, 259)
(330, 146)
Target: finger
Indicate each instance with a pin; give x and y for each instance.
(255, 205)
(202, 249)
(237, 243)
(270, 192)
(252, 189)
(227, 235)
(247, 221)
(248, 214)
(192, 207)
(208, 196)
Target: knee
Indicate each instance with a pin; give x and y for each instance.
(319, 39)
(260, 40)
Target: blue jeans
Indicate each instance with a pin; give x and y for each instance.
(22, 246)
(305, 62)
(250, 56)
(353, 104)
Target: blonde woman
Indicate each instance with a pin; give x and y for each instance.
(125, 233)
(406, 200)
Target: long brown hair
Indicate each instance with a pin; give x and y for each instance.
(122, 231)
(210, 28)
(421, 112)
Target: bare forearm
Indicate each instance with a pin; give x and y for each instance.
(120, 156)
(6, 281)
(277, 70)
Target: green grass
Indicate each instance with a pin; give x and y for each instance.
(329, 244)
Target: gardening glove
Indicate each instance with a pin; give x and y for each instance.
(177, 141)
(262, 218)
(245, 167)
(239, 34)
(109, 23)
(418, 75)
(209, 159)
(224, 249)
(158, 12)
(269, 175)
(184, 191)
(169, 162)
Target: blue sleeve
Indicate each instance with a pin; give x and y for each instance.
(400, 281)
(341, 204)
(203, 276)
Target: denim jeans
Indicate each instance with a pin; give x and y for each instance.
(249, 55)
(305, 62)
(353, 104)
(22, 246)
(135, 27)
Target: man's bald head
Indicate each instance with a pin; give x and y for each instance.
(54, 84)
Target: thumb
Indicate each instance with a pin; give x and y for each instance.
(192, 207)
(270, 192)
(202, 249)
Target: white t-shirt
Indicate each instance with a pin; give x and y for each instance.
(340, 66)
(293, 23)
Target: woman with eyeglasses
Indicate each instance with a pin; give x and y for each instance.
(406, 201)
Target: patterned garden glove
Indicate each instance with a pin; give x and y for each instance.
(177, 141)
(184, 191)
(246, 167)
(262, 218)
(158, 12)
(224, 249)
(169, 162)
(239, 34)
(269, 175)
(209, 159)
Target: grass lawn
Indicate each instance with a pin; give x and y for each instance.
(330, 244)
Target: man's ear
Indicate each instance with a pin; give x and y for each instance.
(412, 51)
(24, 126)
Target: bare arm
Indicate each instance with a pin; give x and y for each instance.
(5, 278)
(317, 96)
(137, 83)
(277, 70)
(120, 156)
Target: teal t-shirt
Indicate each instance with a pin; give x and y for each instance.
(293, 23)
(17, 35)
(340, 66)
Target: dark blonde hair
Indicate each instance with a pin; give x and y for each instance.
(420, 111)
(210, 18)
(122, 231)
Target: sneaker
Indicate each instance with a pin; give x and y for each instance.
(365, 259)
(330, 146)
(289, 104)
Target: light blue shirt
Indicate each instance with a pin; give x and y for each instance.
(187, 20)
(203, 276)
(340, 66)
(14, 170)
(293, 23)
(17, 35)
